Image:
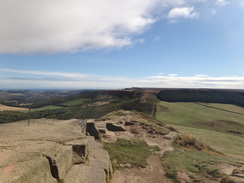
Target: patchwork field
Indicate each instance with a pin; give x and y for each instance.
(8, 108)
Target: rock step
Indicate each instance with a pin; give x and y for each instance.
(97, 169)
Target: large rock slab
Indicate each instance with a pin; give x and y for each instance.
(36, 169)
(97, 169)
(60, 160)
(37, 153)
(80, 150)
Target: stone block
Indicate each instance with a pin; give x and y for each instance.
(79, 148)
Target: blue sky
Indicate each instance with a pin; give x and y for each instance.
(111, 44)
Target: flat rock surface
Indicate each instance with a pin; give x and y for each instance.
(40, 129)
(97, 169)
(24, 148)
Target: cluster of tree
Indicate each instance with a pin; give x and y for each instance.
(201, 95)
(10, 116)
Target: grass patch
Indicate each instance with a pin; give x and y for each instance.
(214, 117)
(134, 152)
(49, 107)
(230, 145)
(190, 160)
(75, 102)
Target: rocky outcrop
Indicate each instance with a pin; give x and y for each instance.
(80, 150)
(36, 169)
(97, 169)
(51, 151)
(60, 160)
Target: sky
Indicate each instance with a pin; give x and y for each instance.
(114, 44)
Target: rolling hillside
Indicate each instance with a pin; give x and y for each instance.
(223, 118)
(218, 125)
(235, 97)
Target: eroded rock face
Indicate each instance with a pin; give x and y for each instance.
(47, 151)
(92, 130)
(36, 169)
(115, 127)
(60, 160)
(97, 169)
(80, 151)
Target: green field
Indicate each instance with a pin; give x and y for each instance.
(230, 145)
(223, 118)
(75, 102)
(221, 126)
(43, 108)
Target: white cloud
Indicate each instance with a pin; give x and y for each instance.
(222, 2)
(60, 80)
(173, 75)
(241, 4)
(46, 74)
(49, 26)
(71, 25)
(183, 12)
(201, 76)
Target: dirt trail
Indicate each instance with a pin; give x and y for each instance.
(152, 173)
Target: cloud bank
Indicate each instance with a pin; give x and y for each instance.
(71, 25)
(20, 79)
(50, 26)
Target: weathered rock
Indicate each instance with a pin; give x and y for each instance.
(129, 123)
(37, 153)
(80, 151)
(92, 130)
(60, 159)
(102, 130)
(98, 169)
(114, 127)
(232, 179)
(83, 126)
(35, 169)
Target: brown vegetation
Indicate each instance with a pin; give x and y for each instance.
(8, 108)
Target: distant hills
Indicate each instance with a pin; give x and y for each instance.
(235, 97)
(97, 103)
